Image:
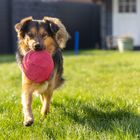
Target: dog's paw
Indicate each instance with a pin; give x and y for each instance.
(44, 113)
(28, 122)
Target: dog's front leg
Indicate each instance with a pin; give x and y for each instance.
(26, 102)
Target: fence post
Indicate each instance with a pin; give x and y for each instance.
(76, 42)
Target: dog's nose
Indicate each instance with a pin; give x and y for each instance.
(38, 47)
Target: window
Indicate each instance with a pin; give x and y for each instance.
(127, 6)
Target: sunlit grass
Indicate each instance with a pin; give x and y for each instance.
(100, 99)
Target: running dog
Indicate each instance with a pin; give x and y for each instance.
(48, 34)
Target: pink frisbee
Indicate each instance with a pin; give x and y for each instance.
(38, 66)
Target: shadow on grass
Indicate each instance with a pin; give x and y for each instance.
(7, 58)
(100, 120)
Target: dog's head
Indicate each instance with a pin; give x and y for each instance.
(47, 34)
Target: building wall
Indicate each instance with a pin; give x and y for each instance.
(126, 23)
(12, 11)
(70, 13)
(85, 1)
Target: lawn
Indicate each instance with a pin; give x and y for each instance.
(99, 101)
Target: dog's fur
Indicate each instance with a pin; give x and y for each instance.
(47, 34)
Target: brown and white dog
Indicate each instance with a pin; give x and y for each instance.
(47, 34)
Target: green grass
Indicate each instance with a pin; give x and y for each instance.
(99, 101)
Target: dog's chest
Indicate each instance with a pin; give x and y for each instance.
(41, 88)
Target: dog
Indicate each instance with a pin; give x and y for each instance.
(47, 34)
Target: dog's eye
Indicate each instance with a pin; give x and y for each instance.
(44, 35)
(30, 34)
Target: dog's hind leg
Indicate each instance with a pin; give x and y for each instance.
(46, 101)
(47, 95)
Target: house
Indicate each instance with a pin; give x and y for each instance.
(126, 19)
(120, 18)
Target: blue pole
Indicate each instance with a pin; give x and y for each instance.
(76, 42)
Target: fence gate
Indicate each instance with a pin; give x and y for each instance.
(5, 27)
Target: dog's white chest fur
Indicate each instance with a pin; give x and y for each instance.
(41, 88)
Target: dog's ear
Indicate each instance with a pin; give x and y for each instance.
(22, 24)
(59, 31)
(53, 28)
